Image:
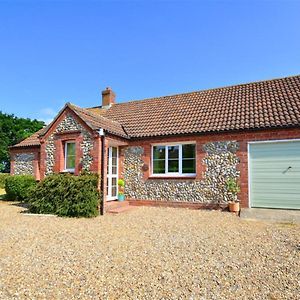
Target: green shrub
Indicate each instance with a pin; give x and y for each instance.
(121, 182)
(18, 187)
(232, 185)
(66, 195)
(3, 176)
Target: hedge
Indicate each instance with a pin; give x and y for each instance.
(66, 195)
(3, 176)
(18, 187)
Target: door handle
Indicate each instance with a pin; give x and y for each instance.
(287, 169)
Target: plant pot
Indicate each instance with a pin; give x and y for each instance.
(121, 197)
(234, 206)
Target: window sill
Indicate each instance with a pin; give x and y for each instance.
(68, 171)
(172, 177)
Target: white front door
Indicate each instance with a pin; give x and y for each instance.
(112, 173)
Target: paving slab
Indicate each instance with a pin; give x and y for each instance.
(271, 215)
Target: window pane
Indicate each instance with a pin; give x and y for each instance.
(173, 151)
(188, 151)
(189, 166)
(114, 191)
(159, 166)
(70, 163)
(159, 152)
(173, 166)
(70, 149)
(114, 152)
(114, 161)
(70, 155)
(114, 181)
(114, 170)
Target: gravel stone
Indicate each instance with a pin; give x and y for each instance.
(147, 253)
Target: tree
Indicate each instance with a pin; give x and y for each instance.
(12, 131)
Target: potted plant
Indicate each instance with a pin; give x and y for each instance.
(233, 189)
(121, 195)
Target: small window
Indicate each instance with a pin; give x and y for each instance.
(70, 156)
(174, 160)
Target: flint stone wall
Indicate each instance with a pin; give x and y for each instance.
(69, 124)
(220, 162)
(24, 164)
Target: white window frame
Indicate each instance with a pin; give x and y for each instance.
(65, 162)
(173, 174)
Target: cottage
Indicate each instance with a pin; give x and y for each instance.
(179, 150)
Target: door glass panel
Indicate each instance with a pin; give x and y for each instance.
(114, 152)
(114, 187)
(113, 191)
(114, 161)
(114, 170)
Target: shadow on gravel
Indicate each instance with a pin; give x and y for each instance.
(23, 205)
(20, 204)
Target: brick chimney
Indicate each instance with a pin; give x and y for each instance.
(108, 97)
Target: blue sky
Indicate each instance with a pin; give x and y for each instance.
(52, 52)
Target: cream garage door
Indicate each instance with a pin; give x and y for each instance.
(274, 170)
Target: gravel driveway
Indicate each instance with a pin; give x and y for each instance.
(147, 253)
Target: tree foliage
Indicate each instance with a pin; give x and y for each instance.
(12, 131)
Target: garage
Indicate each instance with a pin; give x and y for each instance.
(274, 174)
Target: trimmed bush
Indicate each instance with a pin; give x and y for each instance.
(3, 176)
(66, 195)
(18, 187)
